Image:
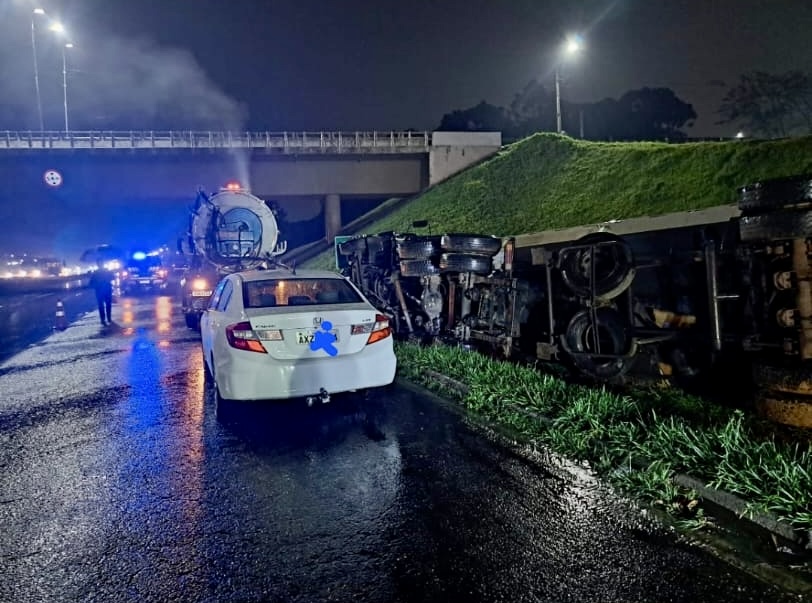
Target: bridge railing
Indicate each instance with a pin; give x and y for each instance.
(285, 142)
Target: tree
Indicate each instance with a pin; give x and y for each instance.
(770, 105)
(483, 117)
(533, 109)
(645, 114)
(652, 114)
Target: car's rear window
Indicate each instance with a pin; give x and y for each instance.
(298, 292)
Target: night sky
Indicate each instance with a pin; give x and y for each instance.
(363, 64)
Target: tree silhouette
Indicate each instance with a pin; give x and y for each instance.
(481, 118)
(645, 114)
(652, 114)
(769, 104)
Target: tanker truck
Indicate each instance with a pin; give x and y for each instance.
(229, 231)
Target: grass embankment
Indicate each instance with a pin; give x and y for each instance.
(638, 440)
(549, 181)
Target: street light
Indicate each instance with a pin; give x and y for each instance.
(571, 47)
(34, 13)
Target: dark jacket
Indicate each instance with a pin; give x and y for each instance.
(102, 281)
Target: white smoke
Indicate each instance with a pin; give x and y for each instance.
(112, 83)
(139, 85)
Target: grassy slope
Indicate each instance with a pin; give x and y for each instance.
(548, 181)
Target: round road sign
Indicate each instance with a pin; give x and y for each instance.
(52, 178)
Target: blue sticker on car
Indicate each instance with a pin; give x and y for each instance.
(323, 340)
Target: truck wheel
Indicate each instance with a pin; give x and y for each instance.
(418, 268)
(784, 379)
(788, 409)
(777, 193)
(777, 225)
(474, 244)
(613, 337)
(192, 321)
(466, 262)
(614, 267)
(418, 248)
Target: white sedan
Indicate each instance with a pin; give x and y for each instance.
(277, 334)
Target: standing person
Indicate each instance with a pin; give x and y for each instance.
(102, 281)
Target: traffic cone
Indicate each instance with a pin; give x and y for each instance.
(60, 323)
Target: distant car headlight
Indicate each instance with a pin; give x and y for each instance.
(200, 284)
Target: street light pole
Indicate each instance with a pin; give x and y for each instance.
(36, 11)
(59, 29)
(65, 83)
(557, 99)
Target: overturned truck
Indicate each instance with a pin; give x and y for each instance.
(677, 296)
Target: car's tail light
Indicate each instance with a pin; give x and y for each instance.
(242, 337)
(379, 330)
(200, 284)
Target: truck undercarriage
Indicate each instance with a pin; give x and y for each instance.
(667, 297)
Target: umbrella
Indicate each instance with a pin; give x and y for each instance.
(102, 253)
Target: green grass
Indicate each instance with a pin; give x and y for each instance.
(636, 440)
(549, 181)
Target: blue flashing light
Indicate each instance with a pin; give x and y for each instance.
(139, 255)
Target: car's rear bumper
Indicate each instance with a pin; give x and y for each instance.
(254, 376)
(136, 286)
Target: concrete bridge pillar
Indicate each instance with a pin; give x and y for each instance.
(332, 216)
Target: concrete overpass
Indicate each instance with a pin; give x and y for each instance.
(306, 172)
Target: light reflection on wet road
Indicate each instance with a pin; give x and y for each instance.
(119, 482)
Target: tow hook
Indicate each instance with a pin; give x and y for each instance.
(323, 396)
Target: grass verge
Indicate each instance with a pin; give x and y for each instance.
(638, 441)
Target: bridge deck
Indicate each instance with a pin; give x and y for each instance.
(282, 142)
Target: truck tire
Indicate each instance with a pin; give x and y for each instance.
(785, 379)
(192, 321)
(418, 248)
(787, 409)
(614, 339)
(614, 270)
(472, 244)
(777, 193)
(466, 262)
(410, 268)
(777, 225)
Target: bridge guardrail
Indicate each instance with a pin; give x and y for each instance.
(285, 142)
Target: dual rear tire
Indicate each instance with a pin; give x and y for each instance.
(429, 255)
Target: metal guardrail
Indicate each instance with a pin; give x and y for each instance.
(284, 142)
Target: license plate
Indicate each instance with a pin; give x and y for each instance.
(201, 293)
(143, 281)
(308, 337)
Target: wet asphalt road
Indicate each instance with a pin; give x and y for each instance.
(30, 317)
(120, 482)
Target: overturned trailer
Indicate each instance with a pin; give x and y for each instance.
(671, 295)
